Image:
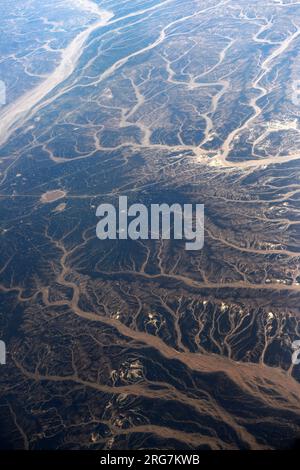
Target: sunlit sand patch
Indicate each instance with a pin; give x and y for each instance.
(216, 161)
(107, 93)
(51, 196)
(270, 316)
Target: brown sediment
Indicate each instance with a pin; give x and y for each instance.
(53, 195)
(60, 208)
